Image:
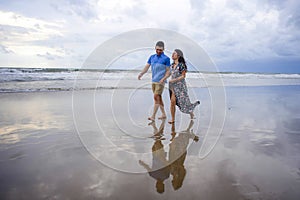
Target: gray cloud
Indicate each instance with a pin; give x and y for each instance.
(286, 41)
(49, 56)
(13, 30)
(4, 49)
(234, 4)
(82, 8)
(198, 6)
(228, 31)
(245, 30)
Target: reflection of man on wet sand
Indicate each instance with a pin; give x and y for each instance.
(158, 133)
(177, 154)
(160, 169)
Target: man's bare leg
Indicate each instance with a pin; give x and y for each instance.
(162, 109)
(155, 108)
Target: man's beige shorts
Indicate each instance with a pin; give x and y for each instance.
(157, 88)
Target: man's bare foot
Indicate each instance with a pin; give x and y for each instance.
(151, 118)
(162, 117)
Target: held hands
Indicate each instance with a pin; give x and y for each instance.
(172, 81)
(176, 79)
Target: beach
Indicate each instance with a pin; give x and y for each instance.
(80, 84)
(89, 144)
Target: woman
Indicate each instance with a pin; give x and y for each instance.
(177, 87)
(177, 153)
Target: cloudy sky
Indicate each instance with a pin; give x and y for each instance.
(238, 35)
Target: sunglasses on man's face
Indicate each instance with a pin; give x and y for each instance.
(159, 49)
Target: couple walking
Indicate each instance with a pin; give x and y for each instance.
(161, 70)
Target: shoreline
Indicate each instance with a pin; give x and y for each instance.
(113, 70)
(147, 87)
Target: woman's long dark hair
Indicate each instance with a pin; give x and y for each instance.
(181, 60)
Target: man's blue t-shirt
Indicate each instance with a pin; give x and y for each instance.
(158, 63)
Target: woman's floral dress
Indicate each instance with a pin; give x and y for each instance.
(180, 90)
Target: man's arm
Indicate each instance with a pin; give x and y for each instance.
(144, 71)
(167, 74)
(145, 165)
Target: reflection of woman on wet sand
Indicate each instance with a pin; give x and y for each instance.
(177, 154)
(160, 169)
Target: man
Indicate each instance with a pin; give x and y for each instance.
(160, 169)
(160, 67)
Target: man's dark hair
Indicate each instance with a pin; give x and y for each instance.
(160, 44)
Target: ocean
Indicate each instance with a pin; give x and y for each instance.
(63, 79)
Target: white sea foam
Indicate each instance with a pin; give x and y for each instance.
(39, 79)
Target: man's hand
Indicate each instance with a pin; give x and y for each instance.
(144, 71)
(140, 76)
(141, 162)
(172, 81)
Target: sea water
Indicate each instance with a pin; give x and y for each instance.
(59, 79)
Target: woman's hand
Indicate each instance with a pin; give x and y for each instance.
(178, 78)
(172, 81)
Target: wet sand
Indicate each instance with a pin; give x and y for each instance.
(99, 145)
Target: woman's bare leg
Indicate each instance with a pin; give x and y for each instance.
(173, 108)
(192, 115)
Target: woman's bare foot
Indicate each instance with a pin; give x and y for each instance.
(151, 118)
